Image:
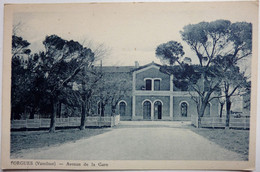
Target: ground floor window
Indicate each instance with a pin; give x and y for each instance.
(157, 110)
(147, 110)
(122, 108)
(184, 109)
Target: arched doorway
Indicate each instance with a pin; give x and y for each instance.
(184, 109)
(147, 110)
(122, 108)
(157, 110)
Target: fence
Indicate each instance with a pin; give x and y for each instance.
(217, 122)
(66, 122)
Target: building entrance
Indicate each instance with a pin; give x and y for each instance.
(147, 110)
(157, 110)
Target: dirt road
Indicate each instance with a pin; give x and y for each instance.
(139, 142)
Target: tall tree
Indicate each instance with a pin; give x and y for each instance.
(234, 82)
(222, 103)
(85, 87)
(117, 87)
(209, 40)
(113, 88)
(62, 61)
(21, 75)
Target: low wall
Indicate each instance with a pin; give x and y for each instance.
(216, 122)
(107, 121)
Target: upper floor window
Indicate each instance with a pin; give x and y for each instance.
(148, 84)
(152, 84)
(157, 84)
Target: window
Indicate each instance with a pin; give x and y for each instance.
(147, 110)
(184, 109)
(156, 84)
(148, 84)
(122, 107)
(157, 110)
(152, 84)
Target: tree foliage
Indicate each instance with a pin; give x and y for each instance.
(233, 83)
(43, 80)
(63, 60)
(85, 87)
(21, 75)
(221, 37)
(218, 46)
(170, 52)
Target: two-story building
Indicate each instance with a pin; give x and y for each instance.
(154, 96)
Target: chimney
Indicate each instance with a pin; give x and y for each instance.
(136, 64)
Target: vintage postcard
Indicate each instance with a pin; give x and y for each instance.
(130, 86)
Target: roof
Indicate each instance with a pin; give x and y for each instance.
(126, 69)
(118, 69)
(147, 65)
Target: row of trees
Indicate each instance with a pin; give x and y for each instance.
(219, 46)
(64, 73)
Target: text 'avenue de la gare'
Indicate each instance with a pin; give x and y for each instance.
(53, 163)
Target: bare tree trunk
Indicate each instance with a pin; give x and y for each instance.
(83, 115)
(53, 116)
(201, 112)
(102, 109)
(113, 110)
(228, 107)
(221, 109)
(199, 118)
(32, 112)
(59, 110)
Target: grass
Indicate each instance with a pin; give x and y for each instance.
(38, 139)
(231, 139)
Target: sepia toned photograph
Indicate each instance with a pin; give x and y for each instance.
(155, 85)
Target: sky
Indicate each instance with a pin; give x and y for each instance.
(131, 31)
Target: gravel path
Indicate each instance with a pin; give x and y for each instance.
(169, 142)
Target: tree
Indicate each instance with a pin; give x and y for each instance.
(62, 61)
(20, 47)
(85, 86)
(21, 75)
(231, 86)
(170, 52)
(209, 40)
(234, 82)
(113, 88)
(118, 87)
(222, 103)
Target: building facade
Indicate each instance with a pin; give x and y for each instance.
(154, 97)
